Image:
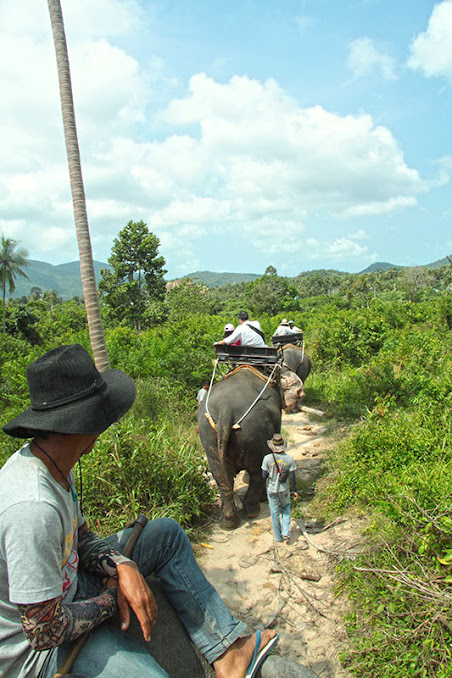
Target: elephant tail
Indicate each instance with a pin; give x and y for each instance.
(223, 434)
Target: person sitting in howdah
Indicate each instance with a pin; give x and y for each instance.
(248, 331)
(283, 328)
(293, 328)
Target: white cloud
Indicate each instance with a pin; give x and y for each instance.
(358, 235)
(233, 159)
(340, 249)
(431, 51)
(365, 58)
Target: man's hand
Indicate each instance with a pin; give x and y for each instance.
(133, 591)
(295, 496)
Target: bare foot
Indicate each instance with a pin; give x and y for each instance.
(234, 662)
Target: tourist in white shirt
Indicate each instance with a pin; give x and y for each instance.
(248, 331)
(283, 328)
(293, 328)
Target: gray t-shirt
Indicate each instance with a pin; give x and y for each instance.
(39, 523)
(285, 463)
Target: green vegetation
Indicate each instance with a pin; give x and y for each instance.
(12, 261)
(134, 287)
(381, 347)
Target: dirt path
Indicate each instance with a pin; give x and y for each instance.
(293, 585)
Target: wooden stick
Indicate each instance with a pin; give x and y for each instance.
(77, 645)
(312, 410)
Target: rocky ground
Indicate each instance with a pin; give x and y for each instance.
(292, 588)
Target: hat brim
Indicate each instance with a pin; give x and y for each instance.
(90, 415)
(277, 448)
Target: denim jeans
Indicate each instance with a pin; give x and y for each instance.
(279, 503)
(163, 549)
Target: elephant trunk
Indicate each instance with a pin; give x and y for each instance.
(292, 387)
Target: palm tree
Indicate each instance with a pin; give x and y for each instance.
(90, 294)
(52, 298)
(12, 259)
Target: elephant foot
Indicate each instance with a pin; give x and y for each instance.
(230, 522)
(253, 510)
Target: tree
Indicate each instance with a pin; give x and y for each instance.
(271, 294)
(35, 294)
(186, 298)
(92, 304)
(12, 260)
(415, 280)
(52, 298)
(136, 279)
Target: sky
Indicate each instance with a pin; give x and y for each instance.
(299, 134)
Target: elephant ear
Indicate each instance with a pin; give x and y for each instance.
(292, 387)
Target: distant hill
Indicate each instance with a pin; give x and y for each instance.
(64, 278)
(439, 262)
(384, 266)
(380, 266)
(210, 279)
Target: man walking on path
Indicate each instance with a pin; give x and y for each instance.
(279, 468)
(52, 566)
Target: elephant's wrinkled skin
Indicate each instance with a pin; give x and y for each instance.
(297, 361)
(229, 450)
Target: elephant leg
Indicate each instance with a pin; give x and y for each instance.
(229, 516)
(253, 495)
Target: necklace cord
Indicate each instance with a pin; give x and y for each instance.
(80, 479)
(54, 463)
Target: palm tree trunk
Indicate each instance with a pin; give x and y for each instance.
(90, 294)
(4, 301)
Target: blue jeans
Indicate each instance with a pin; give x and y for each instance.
(163, 549)
(279, 503)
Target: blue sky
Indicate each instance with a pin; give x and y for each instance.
(301, 134)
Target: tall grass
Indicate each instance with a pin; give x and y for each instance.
(396, 467)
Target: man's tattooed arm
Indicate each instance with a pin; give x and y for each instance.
(53, 622)
(96, 555)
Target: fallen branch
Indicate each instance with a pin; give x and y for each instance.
(338, 521)
(306, 596)
(329, 552)
(413, 585)
(312, 410)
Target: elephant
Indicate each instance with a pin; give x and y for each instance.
(296, 360)
(232, 445)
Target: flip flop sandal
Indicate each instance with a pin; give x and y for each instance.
(259, 655)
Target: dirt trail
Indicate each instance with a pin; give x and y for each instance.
(295, 582)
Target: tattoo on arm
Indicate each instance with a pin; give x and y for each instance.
(53, 623)
(96, 555)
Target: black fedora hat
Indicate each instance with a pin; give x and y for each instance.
(69, 395)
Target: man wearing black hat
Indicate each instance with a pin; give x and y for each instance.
(52, 566)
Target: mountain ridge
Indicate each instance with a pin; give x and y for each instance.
(65, 278)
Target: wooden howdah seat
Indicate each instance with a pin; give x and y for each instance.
(246, 355)
(294, 338)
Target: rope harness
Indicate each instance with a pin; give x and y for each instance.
(298, 349)
(240, 367)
